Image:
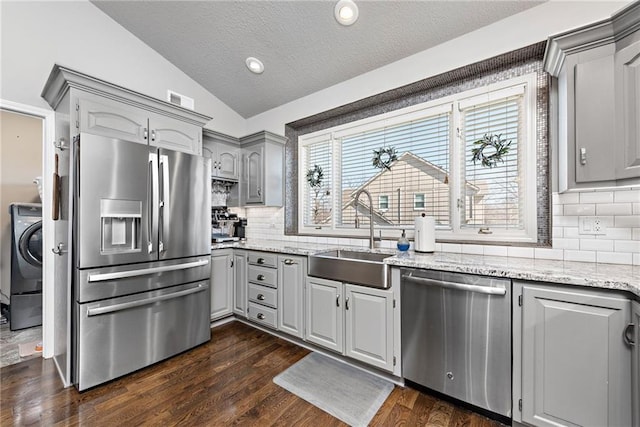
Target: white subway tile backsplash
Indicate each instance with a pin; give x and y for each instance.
(573, 233)
(619, 233)
(628, 196)
(636, 259)
(495, 250)
(565, 221)
(583, 256)
(614, 257)
(452, 247)
(558, 209)
(546, 253)
(567, 198)
(565, 243)
(557, 232)
(596, 245)
(596, 197)
(627, 246)
(627, 221)
(518, 252)
(613, 209)
(587, 209)
(473, 249)
(635, 234)
(635, 208)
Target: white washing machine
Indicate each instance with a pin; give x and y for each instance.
(25, 305)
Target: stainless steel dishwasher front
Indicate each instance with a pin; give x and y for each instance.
(456, 336)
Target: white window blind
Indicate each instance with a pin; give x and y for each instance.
(422, 166)
(491, 197)
(317, 199)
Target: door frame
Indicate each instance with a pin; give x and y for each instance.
(48, 134)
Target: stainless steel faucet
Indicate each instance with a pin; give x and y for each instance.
(370, 214)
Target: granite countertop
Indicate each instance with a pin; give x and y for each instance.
(606, 276)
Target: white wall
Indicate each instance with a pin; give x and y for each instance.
(523, 29)
(76, 34)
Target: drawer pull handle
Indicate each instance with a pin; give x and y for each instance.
(260, 297)
(260, 277)
(260, 260)
(288, 261)
(260, 316)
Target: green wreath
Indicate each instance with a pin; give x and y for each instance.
(497, 143)
(315, 176)
(383, 157)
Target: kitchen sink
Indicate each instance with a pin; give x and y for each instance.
(357, 267)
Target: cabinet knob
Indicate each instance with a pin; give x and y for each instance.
(337, 300)
(153, 135)
(145, 133)
(260, 277)
(260, 316)
(583, 156)
(346, 303)
(260, 297)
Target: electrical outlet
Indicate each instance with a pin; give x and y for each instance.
(593, 225)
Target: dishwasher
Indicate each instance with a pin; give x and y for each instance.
(456, 336)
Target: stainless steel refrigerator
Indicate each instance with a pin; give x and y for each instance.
(140, 252)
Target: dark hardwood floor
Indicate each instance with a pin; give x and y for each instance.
(226, 381)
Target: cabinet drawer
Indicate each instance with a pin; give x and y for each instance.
(261, 314)
(263, 295)
(259, 258)
(262, 276)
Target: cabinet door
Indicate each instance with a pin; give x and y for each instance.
(227, 165)
(575, 365)
(324, 313)
(627, 69)
(253, 162)
(369, 325)
(594, 108)
(173, 134)
(240, 283)
(112, 119)
(221, 284)
(291, 274)
(636, 365)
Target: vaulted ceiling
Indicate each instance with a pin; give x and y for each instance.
(302, 46)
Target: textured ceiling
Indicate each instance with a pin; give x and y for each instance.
(300, 43)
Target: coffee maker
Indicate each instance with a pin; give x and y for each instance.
(240, 229)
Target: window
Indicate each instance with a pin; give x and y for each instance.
(383, 202)
(422, 158)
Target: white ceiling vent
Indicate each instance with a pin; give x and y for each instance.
(181, 100)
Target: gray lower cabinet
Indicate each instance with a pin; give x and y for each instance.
(240, 283)
(571, 364)
(262, 288)
(221, 283)
(325, 317)
(291, 274)
(356, 321)
(369, 325)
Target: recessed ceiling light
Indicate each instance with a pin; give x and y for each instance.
(346, 12)
(254, 65)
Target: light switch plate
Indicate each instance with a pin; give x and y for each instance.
(593, 225)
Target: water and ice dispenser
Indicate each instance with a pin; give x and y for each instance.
(120, 226)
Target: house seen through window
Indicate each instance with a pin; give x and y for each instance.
(468, 160)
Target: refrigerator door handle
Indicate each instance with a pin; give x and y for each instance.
(102, 277)
(153, 196)
(164, 202)
(145, 301)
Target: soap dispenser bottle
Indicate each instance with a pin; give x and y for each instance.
(403, 243)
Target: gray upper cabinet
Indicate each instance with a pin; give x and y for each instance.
(263, 169)
(166, 132)
(574, 365)
(225, 155)
(596, 79)
(103, 116)
(102, 108)
(627, 78)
